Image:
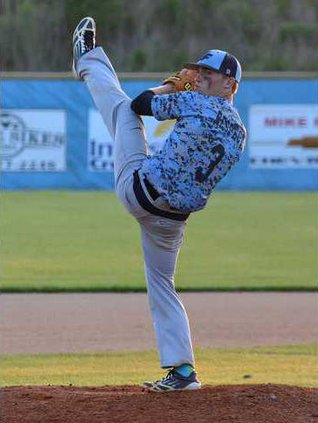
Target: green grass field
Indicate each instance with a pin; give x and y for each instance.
(79, 241)
(290, 365)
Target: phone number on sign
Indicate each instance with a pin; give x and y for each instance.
(29, 166)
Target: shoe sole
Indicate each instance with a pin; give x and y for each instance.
(82, 26)
(163, 388)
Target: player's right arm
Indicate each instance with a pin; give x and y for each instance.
(181, 81)
(142, 104)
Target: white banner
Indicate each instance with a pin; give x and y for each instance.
(33, 140)
(283, 136)
(100, 144)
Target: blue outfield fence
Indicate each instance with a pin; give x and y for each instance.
(52, 136)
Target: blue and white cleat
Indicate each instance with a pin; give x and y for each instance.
(83, 41)
(174, 382)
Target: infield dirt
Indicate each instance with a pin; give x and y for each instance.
(65, 323)
(218, 404)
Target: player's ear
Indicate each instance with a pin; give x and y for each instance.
(235, 87)
(230, 84)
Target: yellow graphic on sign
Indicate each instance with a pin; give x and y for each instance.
(164, 128)
(305, 142)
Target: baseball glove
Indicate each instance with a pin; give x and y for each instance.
(182, 80)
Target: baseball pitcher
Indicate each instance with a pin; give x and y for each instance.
(162, 190)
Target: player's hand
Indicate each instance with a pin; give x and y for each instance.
(183, 80)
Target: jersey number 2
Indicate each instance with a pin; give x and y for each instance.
(219, 151)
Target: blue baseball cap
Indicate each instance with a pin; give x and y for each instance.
(219, 61)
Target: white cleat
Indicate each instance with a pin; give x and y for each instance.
(83, 41)
(174, 382)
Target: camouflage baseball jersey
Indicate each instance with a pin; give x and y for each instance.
(207, 140)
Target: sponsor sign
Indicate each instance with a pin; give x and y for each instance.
(32, 140)
(283, 136)
(100, 144)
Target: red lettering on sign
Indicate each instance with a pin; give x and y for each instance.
(287, 122)
(302, 121)
(270, 122)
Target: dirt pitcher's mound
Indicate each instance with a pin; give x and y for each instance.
(128, 404)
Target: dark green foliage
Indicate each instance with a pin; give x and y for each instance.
(138, 60)
(293, 31)
(147, 35)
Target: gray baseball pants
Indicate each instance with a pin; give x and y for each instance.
(161, 237)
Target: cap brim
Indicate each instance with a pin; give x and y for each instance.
(197, 66)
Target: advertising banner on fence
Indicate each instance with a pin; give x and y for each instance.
(33, 140)
(100, 144)
(52, 136)
(283, 136)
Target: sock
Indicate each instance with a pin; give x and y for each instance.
(184, 370)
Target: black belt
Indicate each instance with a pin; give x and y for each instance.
(147, 205)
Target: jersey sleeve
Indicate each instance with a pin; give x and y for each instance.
(142, 104)
(173, 106)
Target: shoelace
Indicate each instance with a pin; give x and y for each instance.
(165, 378)
(168, 377)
